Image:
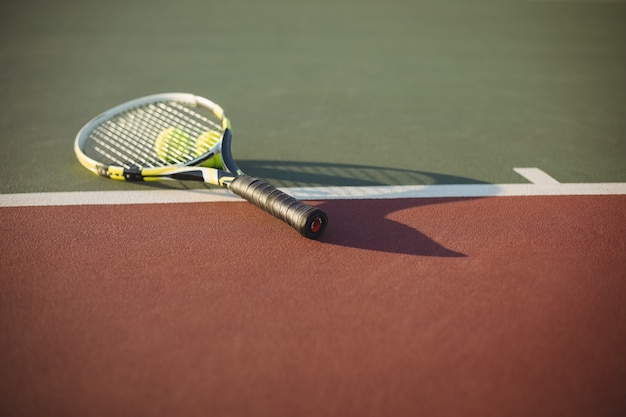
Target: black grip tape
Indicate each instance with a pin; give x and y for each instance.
(309, 221)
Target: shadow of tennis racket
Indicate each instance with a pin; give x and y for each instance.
(375, 225)
(323, 174)
(368, 224)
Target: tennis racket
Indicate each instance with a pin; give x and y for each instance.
(177, 136)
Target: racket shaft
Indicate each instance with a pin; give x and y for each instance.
(307, 220)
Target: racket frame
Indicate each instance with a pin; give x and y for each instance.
(307, 220)
(172, 171)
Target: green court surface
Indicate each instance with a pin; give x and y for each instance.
(328, 92)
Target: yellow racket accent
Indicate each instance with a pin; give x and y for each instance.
(116, 173)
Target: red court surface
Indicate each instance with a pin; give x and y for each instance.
(503, 306)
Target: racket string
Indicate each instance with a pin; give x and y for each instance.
(113, 135)
(192, 116)
(199, 117)
(142, 127)
(129, 139)
(162, 117)
(108, 149)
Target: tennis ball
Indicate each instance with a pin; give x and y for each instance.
(174, 145)
(206, 141)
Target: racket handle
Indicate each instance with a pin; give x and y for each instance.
(309, 221)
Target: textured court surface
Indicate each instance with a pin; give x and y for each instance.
(405, 307)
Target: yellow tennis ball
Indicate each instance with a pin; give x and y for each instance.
(214, 162)
(174, 145)
(206, 141)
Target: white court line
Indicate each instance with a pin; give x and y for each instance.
(536, 176)
(310, 193)
(542, 184)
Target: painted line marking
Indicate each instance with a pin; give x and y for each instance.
(536, 176)
(310, 193)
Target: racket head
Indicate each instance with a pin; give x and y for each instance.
(153, 133)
